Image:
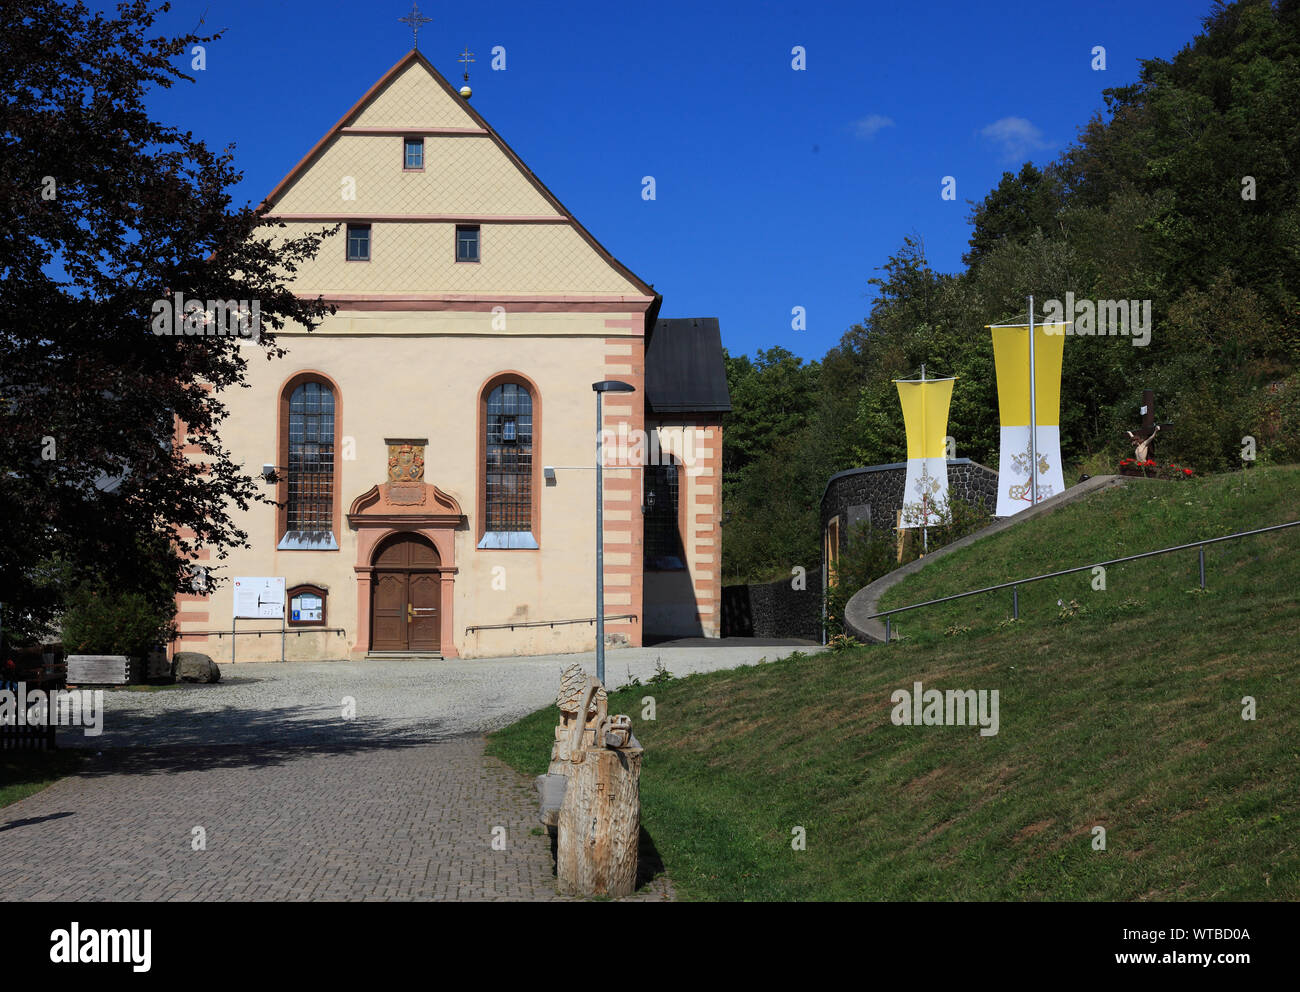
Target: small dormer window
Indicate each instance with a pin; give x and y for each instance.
(413, 154)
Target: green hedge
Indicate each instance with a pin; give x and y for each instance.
(97, 621)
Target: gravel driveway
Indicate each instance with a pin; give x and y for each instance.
(293, 802)
(412, 701)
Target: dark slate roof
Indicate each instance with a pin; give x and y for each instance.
(684, 371)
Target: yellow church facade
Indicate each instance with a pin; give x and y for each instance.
(431, 445)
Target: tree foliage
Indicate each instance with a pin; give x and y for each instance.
(1183, 193)
(108, 212)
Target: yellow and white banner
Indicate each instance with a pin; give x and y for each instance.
(925, 416)
(1011, 356)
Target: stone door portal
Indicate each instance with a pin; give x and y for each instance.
(405, 594)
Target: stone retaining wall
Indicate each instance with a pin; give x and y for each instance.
(774, 609)
(875, 493)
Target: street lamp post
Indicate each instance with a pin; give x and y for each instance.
(607, 386)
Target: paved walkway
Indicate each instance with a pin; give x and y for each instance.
(297, 802)
(378, 822)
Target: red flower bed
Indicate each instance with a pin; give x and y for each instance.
(1150, 469)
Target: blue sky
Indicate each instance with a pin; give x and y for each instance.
(775, 188)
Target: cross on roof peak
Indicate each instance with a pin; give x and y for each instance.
(416, 20)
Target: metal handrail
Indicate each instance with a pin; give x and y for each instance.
(245, 633)
(1083, 568)
(547, 623)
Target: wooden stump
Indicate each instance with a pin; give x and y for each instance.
(600, 824)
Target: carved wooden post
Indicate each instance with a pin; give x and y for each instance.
(600, 824)
(592, 793)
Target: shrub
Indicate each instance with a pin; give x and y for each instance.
(1278, 415)
(957, 518)
(98, 621)
(866, 555)
(870, 553)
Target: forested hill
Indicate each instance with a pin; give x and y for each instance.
(1184, 192)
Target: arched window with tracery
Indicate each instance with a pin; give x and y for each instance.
(308, 466)
(508, 490)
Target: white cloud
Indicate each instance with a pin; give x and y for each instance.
(1017, 137)
(867, 127)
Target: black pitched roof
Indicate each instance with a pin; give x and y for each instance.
(684, 371)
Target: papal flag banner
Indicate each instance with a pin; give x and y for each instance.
(925, 416)
(1016, 459)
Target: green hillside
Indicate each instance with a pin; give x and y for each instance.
(1123, 711)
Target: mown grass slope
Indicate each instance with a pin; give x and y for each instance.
(1123, 712)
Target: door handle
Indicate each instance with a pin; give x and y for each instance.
(410, 613)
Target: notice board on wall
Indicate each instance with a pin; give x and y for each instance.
(259, 598)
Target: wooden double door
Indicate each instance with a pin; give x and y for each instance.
(405, 597)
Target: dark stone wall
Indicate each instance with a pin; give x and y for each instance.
(876, 493)
(774, 609)
(873, 494)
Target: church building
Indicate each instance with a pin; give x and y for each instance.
(432, 444)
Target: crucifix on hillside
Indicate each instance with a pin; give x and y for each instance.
(416, 20)
(1144, 437)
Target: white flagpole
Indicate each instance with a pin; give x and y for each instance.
(1033, 414)
(925, 509)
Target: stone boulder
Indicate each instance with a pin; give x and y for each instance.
(193, 666)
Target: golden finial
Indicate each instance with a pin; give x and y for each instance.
(466, 57)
